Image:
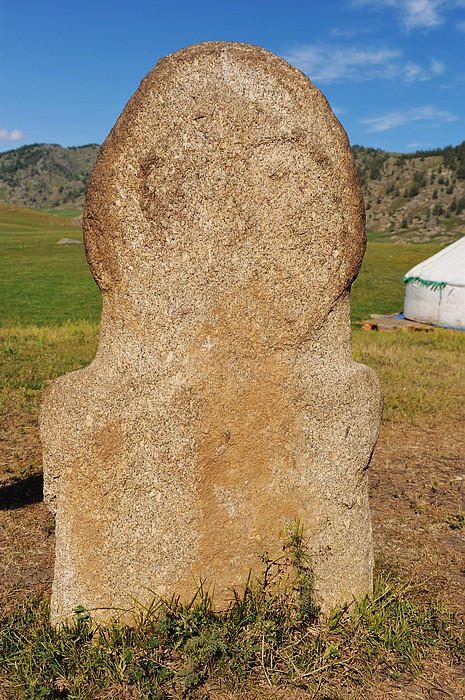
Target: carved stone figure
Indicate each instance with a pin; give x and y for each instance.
(224, 225)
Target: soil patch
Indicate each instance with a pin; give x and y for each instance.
(417, 496)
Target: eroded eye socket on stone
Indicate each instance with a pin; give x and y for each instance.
(283, 185)
(216, 410)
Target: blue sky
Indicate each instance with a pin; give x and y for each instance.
(392, 70)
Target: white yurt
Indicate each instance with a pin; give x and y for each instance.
(435, 291)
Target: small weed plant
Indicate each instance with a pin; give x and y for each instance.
(270, 638)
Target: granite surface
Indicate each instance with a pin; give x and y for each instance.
(224, 225)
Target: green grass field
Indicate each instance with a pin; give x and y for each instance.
(41, 282)
(270, 639)
(51, 310)
(45, 283)
(379, 288)
(64, 213)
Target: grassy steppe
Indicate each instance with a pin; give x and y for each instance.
(270, 642)
(41, 282)
(44, 283)
(379, 288)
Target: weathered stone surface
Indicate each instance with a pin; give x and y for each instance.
(224, 225)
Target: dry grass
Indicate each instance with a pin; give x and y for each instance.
(403, 644)
(423, 374)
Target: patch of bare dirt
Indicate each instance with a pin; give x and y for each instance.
(26, 527)
(417, 495)
(438, 682)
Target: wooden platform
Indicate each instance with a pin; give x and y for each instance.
(393, 322)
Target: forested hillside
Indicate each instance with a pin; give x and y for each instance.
(46, 175)
(417, 196)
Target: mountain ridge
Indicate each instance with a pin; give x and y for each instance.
(46, 175)
(416, 196)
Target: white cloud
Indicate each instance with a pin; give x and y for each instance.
(330, 63)
(413, 14)
(15, 135)
(420, 14)
(417, 145)
(437, 67)
(414, 72)
(401, 118)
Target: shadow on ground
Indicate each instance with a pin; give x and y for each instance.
(22, 493)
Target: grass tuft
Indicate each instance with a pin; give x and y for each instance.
(269, 637)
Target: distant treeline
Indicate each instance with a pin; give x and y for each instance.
(374, 158)
(46, 175)
(454, 157)
(401, 190)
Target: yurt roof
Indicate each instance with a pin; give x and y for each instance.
(445, 267)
